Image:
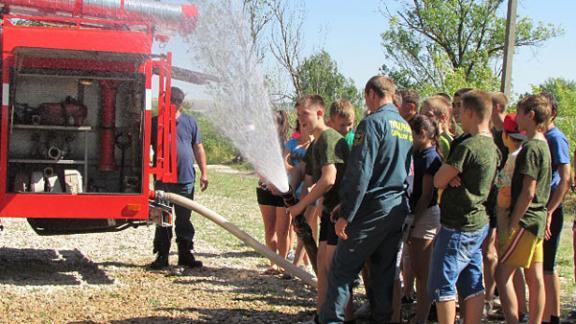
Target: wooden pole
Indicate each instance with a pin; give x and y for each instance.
(509, 44)
(243, 236)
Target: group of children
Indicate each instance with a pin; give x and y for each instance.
(485, 189)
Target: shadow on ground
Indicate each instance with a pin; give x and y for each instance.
(40, 267)
(220, 316)
(252, 286)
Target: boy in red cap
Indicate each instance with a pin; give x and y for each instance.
(512, 138)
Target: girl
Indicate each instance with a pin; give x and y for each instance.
(424, 205)
(294, 154)
(276, 224)
(437, 108)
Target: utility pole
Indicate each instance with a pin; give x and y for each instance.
(509, 43)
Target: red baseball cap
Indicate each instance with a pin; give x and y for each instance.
(511, 127)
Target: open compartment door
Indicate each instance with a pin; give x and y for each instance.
(164, 124)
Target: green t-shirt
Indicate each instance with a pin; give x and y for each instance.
(534, 161)
(329, 148)
(477, 159)
(444, 141)
(349, 138)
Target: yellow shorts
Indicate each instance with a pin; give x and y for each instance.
(521, 249)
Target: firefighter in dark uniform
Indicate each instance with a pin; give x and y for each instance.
(188, 149)
(374, 205)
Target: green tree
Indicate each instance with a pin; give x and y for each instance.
(564, 92)
(319, 74)
(442, 45)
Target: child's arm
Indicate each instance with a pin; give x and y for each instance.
(322, 186)
(521, 206)
(426, 197)
(557, 196)
(446, 174)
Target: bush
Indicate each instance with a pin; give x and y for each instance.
(218, 148)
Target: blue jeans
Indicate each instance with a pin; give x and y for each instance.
(183, 225)
(456, 264)
(376, 238)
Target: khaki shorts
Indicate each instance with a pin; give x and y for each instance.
(427, 226)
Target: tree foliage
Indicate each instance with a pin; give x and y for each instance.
(442, 45)
(564, 92)
(319, 74)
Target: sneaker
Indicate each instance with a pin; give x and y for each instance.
(290, 257)
(523, 318)
(160, 263)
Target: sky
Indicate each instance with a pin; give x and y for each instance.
(350, 32)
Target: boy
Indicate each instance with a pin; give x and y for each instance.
(490, 254)
(324, 161)
(409, 107)
(456, 109)
(560, 184)
(526, 227)
(342, 118)
(466, 177)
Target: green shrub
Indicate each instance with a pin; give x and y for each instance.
(218, 148)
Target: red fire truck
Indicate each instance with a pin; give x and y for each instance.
(75, 140)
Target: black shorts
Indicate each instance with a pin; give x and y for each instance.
(551, 245)
(327, 230)
(266, 198)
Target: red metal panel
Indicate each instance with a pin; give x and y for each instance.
(165, 169)
(116, 41)
(87, 206)
(72, 64)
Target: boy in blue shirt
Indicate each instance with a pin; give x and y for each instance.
(560, 184)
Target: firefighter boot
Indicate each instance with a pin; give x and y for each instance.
(160, 263)
(162, 239)
(185, 256)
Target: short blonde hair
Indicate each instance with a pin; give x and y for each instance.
(439, 105)
(342, 108)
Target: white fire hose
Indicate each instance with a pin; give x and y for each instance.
(243, 236)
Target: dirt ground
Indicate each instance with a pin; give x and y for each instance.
(101, 278)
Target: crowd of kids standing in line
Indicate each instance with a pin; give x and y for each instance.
(478, 191)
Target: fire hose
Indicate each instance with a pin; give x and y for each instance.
(240, 234)
(303, 230)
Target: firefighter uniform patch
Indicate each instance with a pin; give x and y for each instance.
(358, 137)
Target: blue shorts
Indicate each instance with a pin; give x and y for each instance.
(456, 264)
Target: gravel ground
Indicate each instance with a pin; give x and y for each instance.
(101, 278)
